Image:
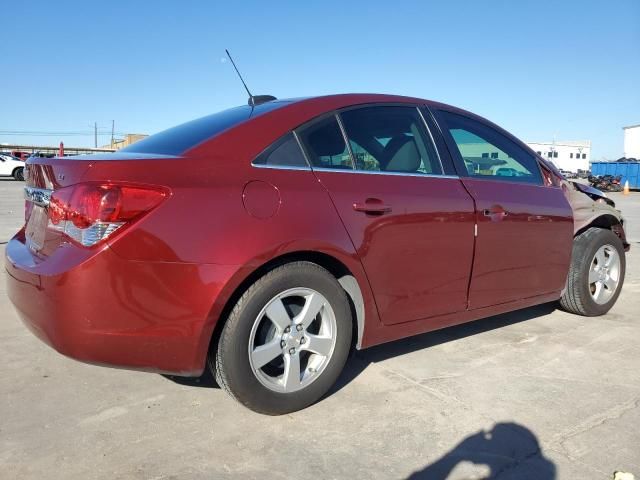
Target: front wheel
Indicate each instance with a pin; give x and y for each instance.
(596, 273)
(286, 340)
(18, 174)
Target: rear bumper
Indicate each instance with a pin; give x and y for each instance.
(98, 308)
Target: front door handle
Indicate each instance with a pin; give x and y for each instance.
(495, 212)
(372, 206)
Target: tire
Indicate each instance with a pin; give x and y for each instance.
(18, 174)
(249, 330)
(590, 291)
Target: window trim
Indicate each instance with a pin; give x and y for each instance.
(433, 142)
(440, 142)
(379, 172)
(281, 167)
(347, 142)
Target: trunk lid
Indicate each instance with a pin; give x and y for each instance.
(54, 173)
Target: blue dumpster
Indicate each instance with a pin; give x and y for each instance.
(628, 171)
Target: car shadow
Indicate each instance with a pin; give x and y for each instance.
(508, 450)
(360, 359)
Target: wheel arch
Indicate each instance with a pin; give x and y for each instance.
(336, 267)
(606, 221)
(15, 170)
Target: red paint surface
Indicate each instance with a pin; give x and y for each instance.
(523, 249)
(151, 296)
(407, 252)
(261, 199)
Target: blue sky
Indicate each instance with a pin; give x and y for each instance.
(538, 68)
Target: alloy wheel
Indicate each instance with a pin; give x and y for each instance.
(292, 340)
(604, 274)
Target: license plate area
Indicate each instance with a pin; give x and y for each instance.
(36, 228)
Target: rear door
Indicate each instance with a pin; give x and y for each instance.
(525, 228)
(411, 224)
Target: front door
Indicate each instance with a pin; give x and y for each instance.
(525, 228)
(412, 226)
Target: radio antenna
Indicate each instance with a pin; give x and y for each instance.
(251, 102)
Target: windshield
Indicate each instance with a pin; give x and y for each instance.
(177, 140)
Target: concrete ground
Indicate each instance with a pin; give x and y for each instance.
(557, 392)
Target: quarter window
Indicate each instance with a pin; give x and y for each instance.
(507, 161)
(324, 144)
(285, 152)
(390, 139)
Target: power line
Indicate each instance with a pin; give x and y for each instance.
(45, 133)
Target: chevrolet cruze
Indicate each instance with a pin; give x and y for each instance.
(266, 241)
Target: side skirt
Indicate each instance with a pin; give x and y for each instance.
(375, 335)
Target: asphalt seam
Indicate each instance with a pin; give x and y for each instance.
(597, 420)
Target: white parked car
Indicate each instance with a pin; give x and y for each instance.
(11, 167)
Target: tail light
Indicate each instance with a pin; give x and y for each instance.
(88, 212)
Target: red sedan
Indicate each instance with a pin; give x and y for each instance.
(267, 240)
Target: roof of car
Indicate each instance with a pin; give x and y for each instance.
(347, 99)
(343, 100)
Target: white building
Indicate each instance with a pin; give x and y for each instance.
(632, 141)
(567, 155)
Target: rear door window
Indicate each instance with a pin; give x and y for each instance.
(390, 139)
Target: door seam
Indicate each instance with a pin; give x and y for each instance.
(475, 240)
(366, 275)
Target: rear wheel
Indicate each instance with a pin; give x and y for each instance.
(596, 273)
(286, 340)
(18, 173)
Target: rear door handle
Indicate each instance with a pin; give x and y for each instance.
(496, 212)
(372, 206)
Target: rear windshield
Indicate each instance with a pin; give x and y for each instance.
(178, 140)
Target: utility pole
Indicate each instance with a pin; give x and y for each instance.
(113, 127)
(95, 134)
